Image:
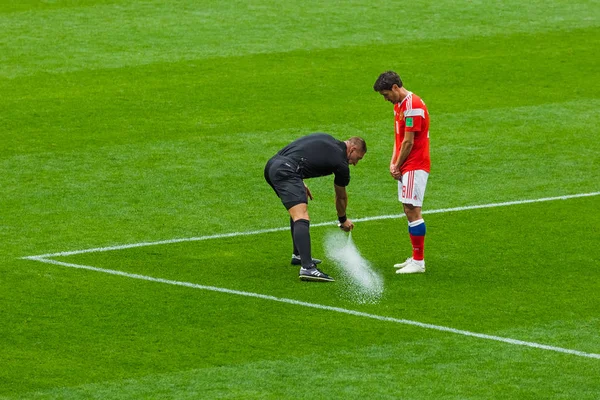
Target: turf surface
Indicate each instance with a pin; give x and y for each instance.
(139, 121)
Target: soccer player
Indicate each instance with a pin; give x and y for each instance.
(410, 162)
(312, 156)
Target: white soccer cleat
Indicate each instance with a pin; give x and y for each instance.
(404, 264)
(412, 268)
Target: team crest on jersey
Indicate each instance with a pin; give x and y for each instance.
(409, 122)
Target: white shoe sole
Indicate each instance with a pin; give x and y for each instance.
(412, 269)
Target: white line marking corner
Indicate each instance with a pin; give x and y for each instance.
(327, 308)
(46, 258)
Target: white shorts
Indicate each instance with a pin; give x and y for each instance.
(411, 189)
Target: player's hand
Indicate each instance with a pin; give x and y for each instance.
(395, 172)
(347, 226)
(308, 193)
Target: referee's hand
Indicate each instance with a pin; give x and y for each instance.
(347, 226)
(308, 193)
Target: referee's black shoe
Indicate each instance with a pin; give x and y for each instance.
(313, 274)
(296, 260)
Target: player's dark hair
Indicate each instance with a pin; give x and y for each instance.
(359, 143)
(386, 81)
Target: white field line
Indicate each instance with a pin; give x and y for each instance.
(261, 231)
(46, 259)
(327, 308)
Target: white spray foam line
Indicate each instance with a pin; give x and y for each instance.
(326, 308)
(360, 282)
(262, 231)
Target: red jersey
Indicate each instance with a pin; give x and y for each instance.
(411, 115)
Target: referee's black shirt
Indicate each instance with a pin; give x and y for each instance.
(319, 154)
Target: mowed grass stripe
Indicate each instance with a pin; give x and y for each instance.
(340, 309)
(44, 257)
(110, 185)
(323, 307)
(137, 33)
(536, 369)
(186, 100)
(338, 376)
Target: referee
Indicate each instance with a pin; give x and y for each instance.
(311, 156)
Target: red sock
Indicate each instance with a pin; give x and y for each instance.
(418, 244)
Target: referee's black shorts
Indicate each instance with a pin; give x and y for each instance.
(286, 180)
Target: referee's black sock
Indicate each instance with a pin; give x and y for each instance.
(292, 231)
(302, 241)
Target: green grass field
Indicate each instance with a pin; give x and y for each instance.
(149, 122)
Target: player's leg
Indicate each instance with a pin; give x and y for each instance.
(411, 191)
(416, 231)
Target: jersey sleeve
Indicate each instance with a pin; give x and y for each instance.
(414, 119)
(342, 176)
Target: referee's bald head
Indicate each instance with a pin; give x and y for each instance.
(359, 143)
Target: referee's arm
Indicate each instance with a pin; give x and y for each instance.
(341, 200)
